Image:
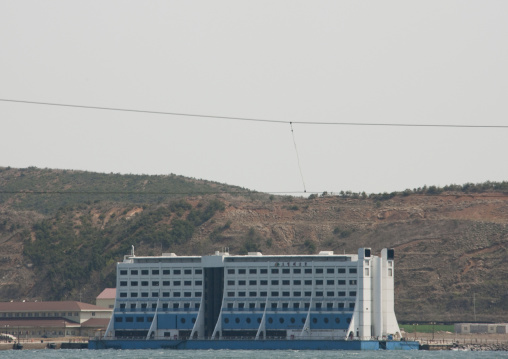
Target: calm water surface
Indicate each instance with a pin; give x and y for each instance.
(242, 354)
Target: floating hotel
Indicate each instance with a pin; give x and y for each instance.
(255, 301)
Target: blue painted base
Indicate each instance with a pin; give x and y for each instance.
(197, 344)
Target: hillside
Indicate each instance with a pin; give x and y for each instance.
(63, 242)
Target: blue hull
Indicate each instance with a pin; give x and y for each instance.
(197, 344)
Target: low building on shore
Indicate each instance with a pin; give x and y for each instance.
(481, 328)
(26, 320)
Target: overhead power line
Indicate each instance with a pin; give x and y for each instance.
(252, 119)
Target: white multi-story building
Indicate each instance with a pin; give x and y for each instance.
(324, 296)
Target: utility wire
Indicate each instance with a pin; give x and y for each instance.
(297, 157)
(253, 119)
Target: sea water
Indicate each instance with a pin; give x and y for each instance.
(242, 354)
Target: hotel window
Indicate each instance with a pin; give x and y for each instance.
(319, 294)
(285, 294)
(263, 282)
(134, 295)
(297, 271)
(176, 305)
(285, 271)
(187, 294)
(241, 271)
(176, 294)
(319, 282)
(134, 283)
(144, 283)
(118, 319)
(352, 270)
(187, 271)
(329, 294)
(164, 305)
(123, 283)
(342, 270)
(231, 271)
(342, 294)
(140, 319)
(198, 294)
(308, 270)
(144, 294)
(165, 294)
(330, 282)
(199, 282)
(284, 306)
(308, 294)
(253, 271)
(241, 282)
(143, 305)
(230, 305)
(155, 283)
(318, 306)
(297, 282)
(134, 272)
(274, 305)
(306, 305)
(123, 272)
(253, 282)
(285, 282)
(155, 272)
(144, 272)
(297, 294)
(329, 305)
(275, 282)
(263, 271)
(262, 306)
(330, 270)
(165, 283)
(341, 305)
(155, 294)
(352, 305)
(342, 282)
(353, 282)
(133, 306)
(319, 270)
(177, 283)
(231, 282)
(231, 294)
(241, 294)
(263, 294)
(187, 282)
(275, 294)
(129, 319)
(275, 271)
(253, 294)
(166, 272)
(123, 295)
(198, 271)
(252, 306)
(296, 305)
(308, 282)
(177, 271)
(352, 294)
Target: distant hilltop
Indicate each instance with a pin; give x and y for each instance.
(63, 231)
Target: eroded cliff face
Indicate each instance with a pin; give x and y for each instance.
(448, 247)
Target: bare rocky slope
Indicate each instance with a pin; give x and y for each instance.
(450, 247)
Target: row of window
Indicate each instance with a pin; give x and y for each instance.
(156, 283)
(295, 282)
(148, 319)
(282, 320)
(289, 270)
(296, 305)
(154, 305)
(157, 271)
(37, 314)
(288, 294)
(163, 294)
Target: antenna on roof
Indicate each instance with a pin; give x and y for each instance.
(133, 251)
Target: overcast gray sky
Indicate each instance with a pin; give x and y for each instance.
(407, 62)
